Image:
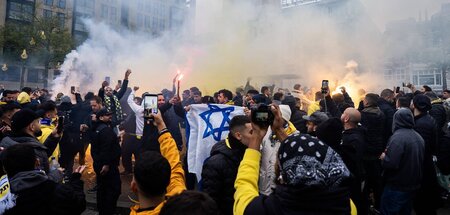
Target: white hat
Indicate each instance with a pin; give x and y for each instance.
(285, 112)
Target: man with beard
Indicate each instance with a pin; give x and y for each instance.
(25, 129)
(314, 120)
(106, 155)
(111, 99)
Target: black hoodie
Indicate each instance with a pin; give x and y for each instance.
(403, 163)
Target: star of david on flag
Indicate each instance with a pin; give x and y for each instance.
(208, 124)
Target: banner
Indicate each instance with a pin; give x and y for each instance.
(208, 124)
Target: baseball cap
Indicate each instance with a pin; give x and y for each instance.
(317, 117)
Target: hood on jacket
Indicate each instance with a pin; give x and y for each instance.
(403, 118)
(27, 179)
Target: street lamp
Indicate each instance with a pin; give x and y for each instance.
(24, 57)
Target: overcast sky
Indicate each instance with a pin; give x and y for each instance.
(383, 11)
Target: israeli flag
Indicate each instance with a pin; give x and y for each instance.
(208, 124)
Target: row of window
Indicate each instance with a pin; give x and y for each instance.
(109, 13)
(149, 22)
(13, 74)
(61, 17)
(155, 8)
(60, 3)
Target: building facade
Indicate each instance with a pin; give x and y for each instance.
(418, 50)
(152, 16)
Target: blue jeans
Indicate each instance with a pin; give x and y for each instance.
(396, 202)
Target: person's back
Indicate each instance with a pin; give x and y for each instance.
(373, 120)
(35, 192)
(403, 160)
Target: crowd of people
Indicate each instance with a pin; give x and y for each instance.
(323, 153)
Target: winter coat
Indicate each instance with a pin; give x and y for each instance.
(373, 120)
(43, 151)
(388, 110)
(443, 155)
(429, 190)
(330, 107)
(37, 194)
(220, 170)
(439, 113)
(354, 142)
(403, 161)
(105, 148)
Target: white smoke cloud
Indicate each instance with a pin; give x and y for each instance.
(244, 41)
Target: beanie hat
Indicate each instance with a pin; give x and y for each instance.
(22, 119)
(422, 103)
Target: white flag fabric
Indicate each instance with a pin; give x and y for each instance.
(207, 124)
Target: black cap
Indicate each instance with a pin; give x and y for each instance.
(22, 119)
(317, 117)
(103, 112)
(422, 103)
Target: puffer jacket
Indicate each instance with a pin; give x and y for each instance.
(220, 170)
(439, 113)
(373, 120)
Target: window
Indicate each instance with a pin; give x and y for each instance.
(148, 22)
(113, 14)
(62, 4)
(438, 79)
(104, 13)
(48, 2)
(61, 19)
(47, 13)
(140, 20)
(35, 75)
(20, 11)
(12, 74)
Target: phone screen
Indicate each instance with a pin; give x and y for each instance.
(324, 84)
(397, 90)
(108, 79)
(151, 104)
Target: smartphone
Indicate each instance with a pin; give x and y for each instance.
(324, 86)
(120, 82)
(397, 89)
(60, 127)
(72, 89)
(150, 105)
(108, 79)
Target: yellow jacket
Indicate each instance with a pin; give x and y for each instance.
(46, 132)
(246, 183)
(177, 185)
(313, 107)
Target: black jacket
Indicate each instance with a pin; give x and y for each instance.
(119, 95)
(439, 114)
(286, 200)
(373, 120)
(220, 171)
(354, 143)
(43, 151)
(105, 146)
(388, 110)
(330, 107)
(443, 155)
(403, 163)
(36, 194)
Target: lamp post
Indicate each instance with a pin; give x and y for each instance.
(24, 57)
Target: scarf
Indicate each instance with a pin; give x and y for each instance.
(108, 105)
